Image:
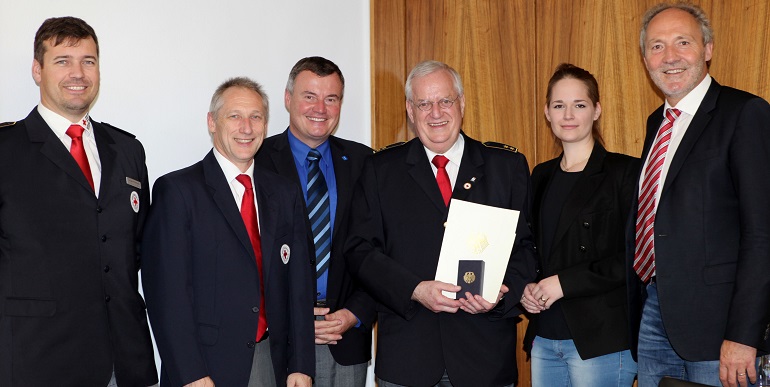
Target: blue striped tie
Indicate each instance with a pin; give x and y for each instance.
(318, 212)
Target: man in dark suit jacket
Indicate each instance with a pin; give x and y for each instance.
(396, 232)
(706, 300)
(344, 313)
(70, 310)
(209, 278)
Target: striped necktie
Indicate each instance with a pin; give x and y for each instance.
(644, 254)
(318, 212)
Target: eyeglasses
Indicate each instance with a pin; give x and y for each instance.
(426, 106)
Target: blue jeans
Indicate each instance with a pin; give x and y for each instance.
(658, 359)
(556, 363)
(444, 382)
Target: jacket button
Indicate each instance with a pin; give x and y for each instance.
(104, 238)
(99, 210)
(586, 225)
(106, 298)
(250, 344)
(107, 268)
(582, 249)
(255, 309)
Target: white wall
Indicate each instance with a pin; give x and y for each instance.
(162, 59)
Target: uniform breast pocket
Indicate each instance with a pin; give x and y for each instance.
(283, 232)
(29, 307)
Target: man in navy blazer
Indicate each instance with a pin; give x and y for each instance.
(202, 277)
(70, 310)
(344, 312)
(396, 230)
(703, 310)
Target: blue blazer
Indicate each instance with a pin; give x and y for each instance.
(341, 290)
(202, 285)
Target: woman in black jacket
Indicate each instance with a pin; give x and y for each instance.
(582, 200)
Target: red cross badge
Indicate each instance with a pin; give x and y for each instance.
(285, 253)
(135, 201)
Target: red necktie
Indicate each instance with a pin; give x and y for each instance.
(644, 254)
(249, 215)
(442, 178)
(79, 152)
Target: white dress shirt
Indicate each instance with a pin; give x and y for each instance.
(454, 154)
(688, 106)
(59, 125)
(237, 189)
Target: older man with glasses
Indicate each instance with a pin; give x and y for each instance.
(397, 226)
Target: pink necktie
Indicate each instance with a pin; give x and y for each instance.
(249, 215)
(79, 152)
(644, 255)
(442, 178)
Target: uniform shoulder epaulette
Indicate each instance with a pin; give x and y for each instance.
(6, 124)
(118, 129)
(500, 145)
(386, 147)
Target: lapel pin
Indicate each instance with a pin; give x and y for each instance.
(467, 185)
(285, 253)
(135, 201)
(345, 157)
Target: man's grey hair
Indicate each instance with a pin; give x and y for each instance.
(692, 9)
(429, 67)
(244, 82)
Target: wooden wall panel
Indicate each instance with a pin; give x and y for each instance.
(602, 36)
(506, 51)
(498, 89)
(741, 44)
(388, 42)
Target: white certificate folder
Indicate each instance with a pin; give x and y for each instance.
(477, 232)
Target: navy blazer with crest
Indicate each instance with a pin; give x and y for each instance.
(70, 309)
(341, 290)
(202, 285)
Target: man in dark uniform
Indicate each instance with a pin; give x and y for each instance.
(73, 196)
(396, 232)
(344, 313)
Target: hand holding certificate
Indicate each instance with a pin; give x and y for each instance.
(478, 239)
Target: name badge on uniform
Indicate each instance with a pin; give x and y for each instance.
(134, 183)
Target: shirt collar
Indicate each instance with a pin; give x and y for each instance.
(59, 124)
(454, 154)
(229, 169)
(299, 149)
(691, 102)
